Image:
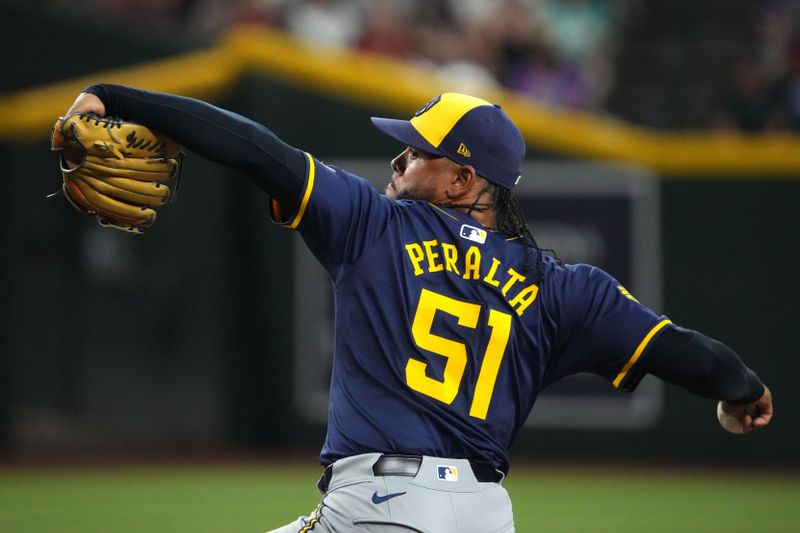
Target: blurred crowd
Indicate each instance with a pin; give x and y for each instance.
(557, 51)
(763, 93)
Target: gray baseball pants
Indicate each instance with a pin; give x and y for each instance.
(443, 497)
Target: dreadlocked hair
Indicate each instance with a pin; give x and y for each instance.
(511, 221)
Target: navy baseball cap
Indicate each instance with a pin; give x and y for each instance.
(467, 130)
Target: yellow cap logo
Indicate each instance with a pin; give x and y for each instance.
(440, 115)
(463, 150)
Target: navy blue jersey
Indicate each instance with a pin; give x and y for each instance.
(444, 335)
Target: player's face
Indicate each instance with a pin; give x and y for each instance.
(420, 176)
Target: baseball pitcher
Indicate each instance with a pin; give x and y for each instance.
(450, 319)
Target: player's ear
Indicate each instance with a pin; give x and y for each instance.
(462, 183)
(465, 176)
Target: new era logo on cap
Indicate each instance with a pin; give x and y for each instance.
(463, 150)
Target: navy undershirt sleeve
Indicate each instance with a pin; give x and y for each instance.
(701, 365)
(215, 134)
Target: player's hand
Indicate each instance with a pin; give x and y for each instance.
(87, 103)
(84, 103)
(752, 415)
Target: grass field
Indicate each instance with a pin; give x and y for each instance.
(258, 496)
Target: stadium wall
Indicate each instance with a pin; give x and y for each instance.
(217, 275)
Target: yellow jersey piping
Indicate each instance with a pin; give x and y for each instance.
(638, 352)
(306, 194)
(442, 210)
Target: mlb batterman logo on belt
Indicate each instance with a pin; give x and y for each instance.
(467, 130)
(447, 473)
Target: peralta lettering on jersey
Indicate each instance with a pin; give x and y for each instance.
(432, 256)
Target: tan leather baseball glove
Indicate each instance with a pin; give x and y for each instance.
(115, 170)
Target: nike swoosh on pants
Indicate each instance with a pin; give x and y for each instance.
(380, 499)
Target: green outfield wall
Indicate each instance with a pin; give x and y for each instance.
(180, 338)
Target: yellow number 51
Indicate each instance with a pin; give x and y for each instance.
(456, 352)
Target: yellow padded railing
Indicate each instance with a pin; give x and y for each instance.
(400, 89)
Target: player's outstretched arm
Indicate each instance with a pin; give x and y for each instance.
(214, 133)
(709, 368)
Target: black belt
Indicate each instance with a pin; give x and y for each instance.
(408, 465)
